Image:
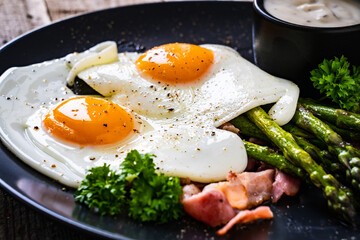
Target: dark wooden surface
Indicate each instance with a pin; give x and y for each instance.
(20, 16)
(18, 221)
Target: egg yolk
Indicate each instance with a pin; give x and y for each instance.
(89, 121)
(176, 62)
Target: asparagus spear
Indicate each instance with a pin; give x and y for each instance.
(319, 143)
(323, 157)
(345, 152)
(299, 132)
(247, 128)
(347, 134)
(296, 131)
(269, 156)
(341, 118)
(307, 141)
(339, 198)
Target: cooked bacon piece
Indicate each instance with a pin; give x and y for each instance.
(257, 184)
(284, 184)
(214, 205)
(210, 207)
(247, 189)
(189, 190)
(246, 216)
(229, 127)
(234, 191)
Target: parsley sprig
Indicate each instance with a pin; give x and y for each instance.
(102, 190)
(338, 81)
(147, 195)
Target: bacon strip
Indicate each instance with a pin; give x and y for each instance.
(234, 191)
(284, 184)
(229, 127)
(189, 190)
(246, 216)
(210, 207)
(214, 204)
(247, 189)
(257, 184)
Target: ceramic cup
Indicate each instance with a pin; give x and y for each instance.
(291, 51)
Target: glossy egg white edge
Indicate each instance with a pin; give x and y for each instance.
(15, 110)
(233, 85)
(25, 90)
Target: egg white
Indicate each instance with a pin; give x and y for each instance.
(176, 123)
(231, 87)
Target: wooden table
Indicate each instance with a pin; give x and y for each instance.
(17, 17)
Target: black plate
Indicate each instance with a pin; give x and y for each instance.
(138, 28)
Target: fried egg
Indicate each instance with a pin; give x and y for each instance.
(168, 101)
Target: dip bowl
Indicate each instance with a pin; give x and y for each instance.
(291, 51)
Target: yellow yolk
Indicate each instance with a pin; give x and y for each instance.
(89, 121)
(176, 62)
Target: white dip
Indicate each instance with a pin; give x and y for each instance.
(316, 13)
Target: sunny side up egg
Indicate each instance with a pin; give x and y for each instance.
(168, 101)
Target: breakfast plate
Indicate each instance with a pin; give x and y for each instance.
(137, 28)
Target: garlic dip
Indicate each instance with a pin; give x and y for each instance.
(316, 13)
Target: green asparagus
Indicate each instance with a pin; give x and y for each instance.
(324, 158)
(296, 131)
(269, 156)
(336, 145)
(348, 134)
(319, 143)
(339, 198)
(247, 128)
(339, 117)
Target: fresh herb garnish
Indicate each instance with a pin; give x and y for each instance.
(102, 190)
(338, 81)
(147, 195)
